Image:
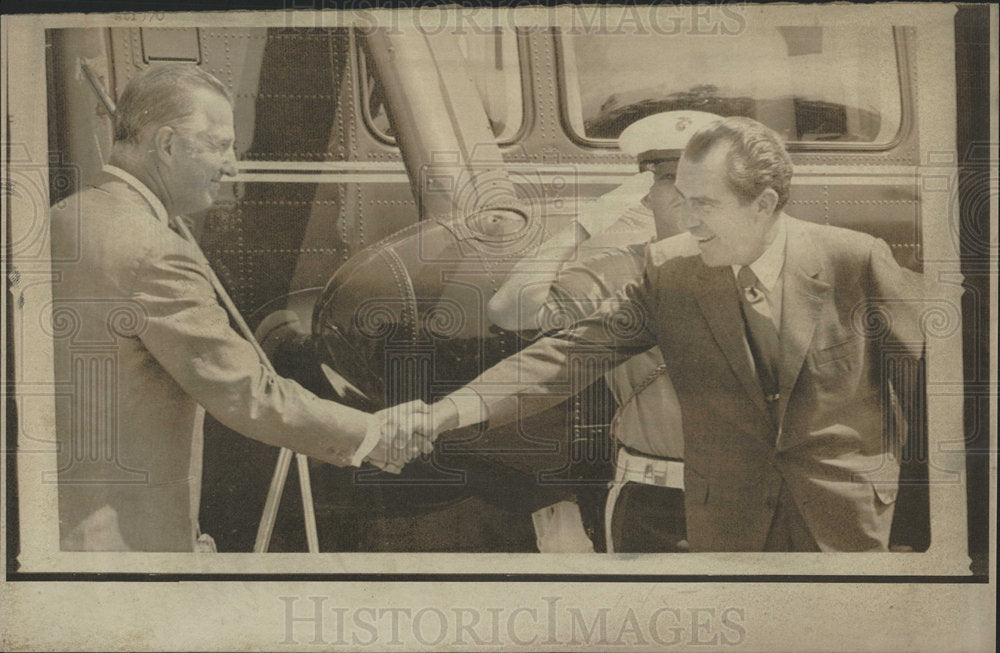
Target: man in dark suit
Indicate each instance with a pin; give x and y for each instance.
(776, 335)
(142, 346)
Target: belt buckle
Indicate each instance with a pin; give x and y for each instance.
(655, 474)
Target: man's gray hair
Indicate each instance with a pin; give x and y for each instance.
(756, 160)
(161, 95)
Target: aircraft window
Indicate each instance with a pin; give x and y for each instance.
(170, 44)
(827, 84)
(494, 65)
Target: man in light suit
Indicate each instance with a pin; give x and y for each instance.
(142, 346)
(780, 372)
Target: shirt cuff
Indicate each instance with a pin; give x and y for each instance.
(470, 407)
(367, 445)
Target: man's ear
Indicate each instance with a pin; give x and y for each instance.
(165, 143)
(766, 202)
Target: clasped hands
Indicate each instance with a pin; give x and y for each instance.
(409, 430)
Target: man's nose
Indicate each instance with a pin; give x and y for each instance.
(229, 163)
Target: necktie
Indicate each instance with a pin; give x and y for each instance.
(761, 334)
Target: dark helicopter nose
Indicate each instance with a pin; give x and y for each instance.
(410, 310)
(393, 312)
(405, 318)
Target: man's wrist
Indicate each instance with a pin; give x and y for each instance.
(446, 415)
(459, 409)
(373, 433)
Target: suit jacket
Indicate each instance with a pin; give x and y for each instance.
(848, 309)
(141, 344)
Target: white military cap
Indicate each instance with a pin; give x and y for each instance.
(667, 131)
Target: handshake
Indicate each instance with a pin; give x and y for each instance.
(405, 431)
(409, 430)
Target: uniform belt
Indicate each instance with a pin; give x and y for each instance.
(650, 471)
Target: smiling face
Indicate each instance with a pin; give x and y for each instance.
(729, 231)
(201, 153)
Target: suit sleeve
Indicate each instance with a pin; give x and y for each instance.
(896, 300)
(897, 308)
(189, 334)
(579, 290)
(560, 366)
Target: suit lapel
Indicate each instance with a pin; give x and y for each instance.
(716, 295)
(802, 301)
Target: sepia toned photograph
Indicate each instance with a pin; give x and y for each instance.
(636, 327)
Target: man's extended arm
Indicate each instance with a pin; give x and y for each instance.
(541, 375)
(188, 332)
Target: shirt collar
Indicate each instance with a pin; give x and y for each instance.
(154, 202)
(768, 265)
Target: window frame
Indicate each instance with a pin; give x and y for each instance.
(903, 70)
(146, 59)
(524, 81)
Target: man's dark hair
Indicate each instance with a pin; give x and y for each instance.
(756, 159)
(161, 95)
